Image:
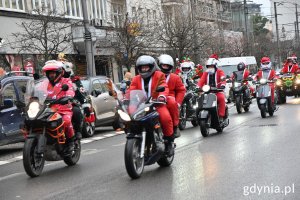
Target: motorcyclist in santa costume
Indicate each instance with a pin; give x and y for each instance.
(266, 68)
(215, 77)
(176, 89)
(290, 66)
(148, 80)
(54, 73)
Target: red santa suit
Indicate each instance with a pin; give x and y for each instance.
(289, 68)
(55, 92)
(271, 74)
(157, 79)
(176, 95)
(219, 75)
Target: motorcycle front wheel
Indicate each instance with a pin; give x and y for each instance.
(133, 162)
(263, 111)
(182, 115)
(72, 160)
(32, 161)
(203, 128)
(238, 104)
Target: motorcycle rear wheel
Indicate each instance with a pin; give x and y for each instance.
(32, 162)
(165, 160)
(72, 160)
(133, 163)
(194, 123)
(88, 129)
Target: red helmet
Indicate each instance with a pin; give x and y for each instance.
(265, 59)
(53, 66)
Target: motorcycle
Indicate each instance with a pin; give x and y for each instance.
(241, 93)
(187, 110)
(88, 127)
(263, 97)
(43, 130)
(145, 144)
(287, 85)
(207, 113)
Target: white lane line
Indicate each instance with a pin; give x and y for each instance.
(117, 145)
(10, 176)
(84, 141)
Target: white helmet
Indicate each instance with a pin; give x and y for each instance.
(68, 67)
(165, 59)
(186, 67)
(146, 60)
(212, 61)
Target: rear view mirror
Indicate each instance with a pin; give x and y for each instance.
(8, 103)
(160, 89)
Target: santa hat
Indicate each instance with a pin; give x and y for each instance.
(215, 56)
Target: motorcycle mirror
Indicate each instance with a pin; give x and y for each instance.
(64, 87)
(160, 89)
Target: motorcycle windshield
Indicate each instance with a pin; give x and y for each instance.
(37, 89)
(137, 100)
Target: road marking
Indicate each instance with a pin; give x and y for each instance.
(10, 176)
(83, 141)
(121, 144)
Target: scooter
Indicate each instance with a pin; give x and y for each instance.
(208, 111)
(263, 97)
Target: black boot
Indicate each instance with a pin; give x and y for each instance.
(176, 132)
(169, 143)
(78, 135)
(69, 147)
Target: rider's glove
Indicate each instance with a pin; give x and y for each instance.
(162, 98)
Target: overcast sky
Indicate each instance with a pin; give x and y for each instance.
(265, 8)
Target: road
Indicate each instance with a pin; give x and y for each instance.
(253, 158)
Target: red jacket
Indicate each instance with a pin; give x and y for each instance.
(158, 78)
(219, 75)
(176, 87)
(54, 92)
(287, 69)
(271, 74)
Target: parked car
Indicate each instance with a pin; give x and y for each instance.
(104, 105)
(12, 104)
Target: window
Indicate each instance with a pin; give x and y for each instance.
(117, 14)
(73, 8)
(14, 5)
(133, 11)
(154, 15)
(44, 5)
(148, 15)
(97, 9)
(8, 93)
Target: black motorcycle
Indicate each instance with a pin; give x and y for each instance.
(145, 144)
(241, 93)
(187, 110)
(208, 111)
(44, 131)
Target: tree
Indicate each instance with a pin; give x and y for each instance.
(45, 32)
(130, 40)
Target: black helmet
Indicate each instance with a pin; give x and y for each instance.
(146, 61)
(241, 66)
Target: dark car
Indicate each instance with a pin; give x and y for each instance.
(104, 105)
(12, 104)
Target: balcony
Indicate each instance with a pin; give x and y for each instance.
(172, 2)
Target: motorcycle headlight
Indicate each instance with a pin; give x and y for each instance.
(236, 84)
(278, 83)
(206, 88)
(263, 81)
(33, 109)
(124, 116)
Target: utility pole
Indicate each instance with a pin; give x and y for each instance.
(195, 36)
(297, 27)
(246, 28)
(277, 35)
(89, 53)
